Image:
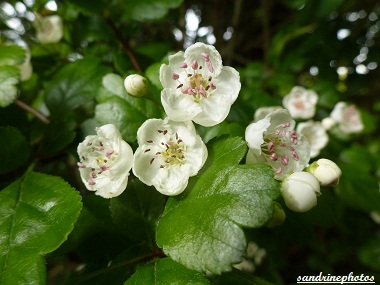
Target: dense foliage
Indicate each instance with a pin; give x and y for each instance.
(62, 71)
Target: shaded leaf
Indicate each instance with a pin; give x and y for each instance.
(15, 149)
(76, 84)
(38, 212)
(11, 55)
(135, 211)
(166, 271)
(202, 228)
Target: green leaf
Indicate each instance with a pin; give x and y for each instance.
(9, 77)
(202, 228)
(15, 149)
(369, 253)
(38, 212)
(136, 211)
(148, 9)
(11, 55)
(126, 112)
(166, 271)
(76, 84)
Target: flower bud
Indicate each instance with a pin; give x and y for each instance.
(326, 171)
(300, 190)
(136, 85)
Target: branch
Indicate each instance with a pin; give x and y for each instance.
(265, 5)
(125, 45)
(35, 112)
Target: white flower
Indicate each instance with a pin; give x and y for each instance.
(197, 87)
(49, 29)
(8, 89)
(300, 190)
(326, 171)
(26, 68)
(136, 85)
(274, 141)
(300, 102)
(261, 112)
(105, 162)
(168, 154)
(347, 118)
(315, 134)
(328, 123)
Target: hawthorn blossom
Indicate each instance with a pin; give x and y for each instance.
(261, 112)
(169, 153)
(274, 141)
(136, 85)
(49, 29)
(326, 171)
(105, 162)
(347, 118)
(300, 102)
(315, 134)
(197, 87)
(300, 191)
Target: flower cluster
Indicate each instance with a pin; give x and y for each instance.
(196, 87)
(49, 29)
(275, 139)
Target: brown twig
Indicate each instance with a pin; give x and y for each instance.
(35, 112)
(125, 45)
(234, 24)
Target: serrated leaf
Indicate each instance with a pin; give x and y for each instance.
(38, 212)
(14, 147)
(76, 84)
(11, 55)
(202, 228)
(166, 271)
(135, 211)
(126, 112)
(9, 77)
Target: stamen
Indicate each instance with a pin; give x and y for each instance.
(175, 76)
(209, 65)
(183, 65)
(165, 132)
(273, 157)
(179, 86)
(147, 150)
(91, 182)
(93, 174)
(149, 141)
(279, 170)
(270, 146)
(109, 153)
(81, 165)
(194, 65)
(205, 56)
(151, 161)
(285, 160)
(295, 156)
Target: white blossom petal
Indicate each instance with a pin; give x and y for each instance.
(274, 141)
(197, 87)
(300, 102)
(347, 117)
(49, 29)
(105, 162)
(315, 134)
(169, 153)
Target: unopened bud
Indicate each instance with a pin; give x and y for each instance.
(136, 85)
(278, 216)
(328, 123)
(326, 171)
(300, 190)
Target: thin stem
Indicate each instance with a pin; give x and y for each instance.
(265, 5)
(35, 112)
(125, 45)
(234, 24)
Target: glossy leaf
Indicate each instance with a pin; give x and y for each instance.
(15, 149)
(126, 112)
(11, 55)
(135, 211)
(9, 78)
(202, 228)
(75, 85)
(166, 271)
(38, 212)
